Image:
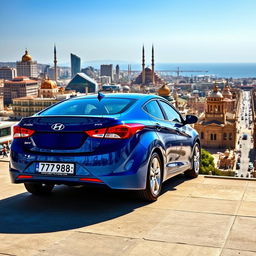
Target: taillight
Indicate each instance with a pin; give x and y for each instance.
(122, 131)
(97, 133)
(19, 132)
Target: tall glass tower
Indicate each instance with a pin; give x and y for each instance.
(75, 64)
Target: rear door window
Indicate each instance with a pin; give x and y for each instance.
(153, 109)
(171, 113)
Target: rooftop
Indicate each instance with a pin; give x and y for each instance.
(21, 80)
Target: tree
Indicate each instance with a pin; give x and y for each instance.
(207, 165)
(207, 162)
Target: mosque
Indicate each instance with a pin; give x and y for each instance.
(148, 75)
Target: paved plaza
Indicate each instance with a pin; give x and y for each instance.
(204, 216)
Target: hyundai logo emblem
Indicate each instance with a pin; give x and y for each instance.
(58, 127)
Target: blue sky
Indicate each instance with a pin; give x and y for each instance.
(182, 31)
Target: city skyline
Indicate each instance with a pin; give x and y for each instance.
(187, 31)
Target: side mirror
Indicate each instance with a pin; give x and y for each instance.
(190, 119)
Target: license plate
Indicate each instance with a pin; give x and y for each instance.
(55, 168)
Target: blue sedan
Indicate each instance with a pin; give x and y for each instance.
(122, 141)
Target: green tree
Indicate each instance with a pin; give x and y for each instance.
(207, 162)
(207, 165)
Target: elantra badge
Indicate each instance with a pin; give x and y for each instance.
(58, 127)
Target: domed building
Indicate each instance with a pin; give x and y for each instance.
(48, 89)
(148, 75)
(26, 57)
(228, 98)
(165, 92)
(226, 92)
(217, 127)
(27, 67)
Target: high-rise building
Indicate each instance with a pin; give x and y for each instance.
(55, 64)
(19, 87)
(89, 71)
(51, 73)
(107, 70)
(7, 73)
(117, 73)
(27, 67)
(82, 83)
(75, 64)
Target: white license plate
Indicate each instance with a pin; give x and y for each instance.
(56, 168)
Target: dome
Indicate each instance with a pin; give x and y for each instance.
(215, 92)
(126, 88)
(48, 84)
(26, 57)
(226, 91)
(147, 69)
(164, 91)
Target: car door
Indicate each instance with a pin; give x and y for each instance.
(183, 138)
(166, 133)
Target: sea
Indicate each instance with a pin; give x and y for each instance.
(218, 70)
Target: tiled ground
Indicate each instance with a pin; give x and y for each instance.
(198, 217)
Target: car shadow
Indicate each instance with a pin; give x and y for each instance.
(69, 208)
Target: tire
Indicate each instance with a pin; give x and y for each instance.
(37, 188)
(154, 180)
(196, 157)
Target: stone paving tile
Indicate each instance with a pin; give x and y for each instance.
(82, 244)
(225, 182)
(166, 201)
(252, 183)
(250, 194)
(28, 244)
(152, 248)
(95, 244)
(192, 228)
(243, 235)
(184, 189)
(135, 224)
(225, 192)
(228, 252)
(247, 208)
(208, 205)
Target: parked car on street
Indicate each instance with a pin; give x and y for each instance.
(122, 141)
(245, 137)
(250, 166)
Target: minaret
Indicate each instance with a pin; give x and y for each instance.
(143, 65)
(55, 64)
(153, 66)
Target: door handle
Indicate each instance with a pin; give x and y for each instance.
(158, 127)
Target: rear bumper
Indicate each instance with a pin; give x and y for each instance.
(115, 170)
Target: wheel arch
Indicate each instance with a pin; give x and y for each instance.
(159, 151)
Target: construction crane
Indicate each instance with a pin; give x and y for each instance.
(178, 71)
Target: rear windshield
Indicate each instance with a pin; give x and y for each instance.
(77, 107)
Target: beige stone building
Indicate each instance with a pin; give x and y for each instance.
(27, 67)
(19, 87)
(48, 89)
(217, 126)
(28, 106)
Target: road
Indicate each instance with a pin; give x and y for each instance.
(245, 138)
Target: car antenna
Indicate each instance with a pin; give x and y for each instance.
(100, 96)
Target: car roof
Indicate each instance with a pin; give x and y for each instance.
(137, 96)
